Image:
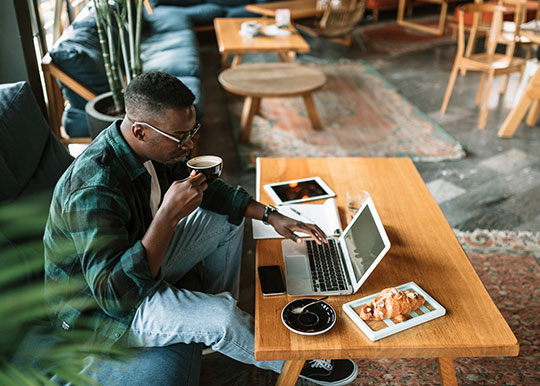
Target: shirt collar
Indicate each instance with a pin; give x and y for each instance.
(124, 153)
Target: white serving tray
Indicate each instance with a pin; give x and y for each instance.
(379, 329)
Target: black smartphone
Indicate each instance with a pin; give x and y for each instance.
(271, 280)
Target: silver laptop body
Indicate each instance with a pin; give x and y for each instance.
(361, 246)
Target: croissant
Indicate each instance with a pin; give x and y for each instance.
(391, 303)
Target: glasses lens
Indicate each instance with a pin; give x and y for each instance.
(189, 135)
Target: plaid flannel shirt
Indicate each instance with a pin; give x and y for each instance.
(96, 272)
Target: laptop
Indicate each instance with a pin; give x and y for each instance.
(310, 269)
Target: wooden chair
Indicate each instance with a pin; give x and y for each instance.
(338, 21)
(52, 73)
(490, 63)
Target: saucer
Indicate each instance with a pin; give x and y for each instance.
(314, 320)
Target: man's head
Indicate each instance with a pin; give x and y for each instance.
(159, 117)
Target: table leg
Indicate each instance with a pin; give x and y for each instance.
(532, 117)
(224, 60)
(251, 106)
(236, 60)
(312, 112)
(284, 57)
(290, 372)
(448, 371)
(513, 119)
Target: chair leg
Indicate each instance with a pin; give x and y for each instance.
(450, 87)
(532, 116)
(484, 110)
(375, 15)
(480, 92)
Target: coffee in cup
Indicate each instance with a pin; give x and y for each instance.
(209, 165)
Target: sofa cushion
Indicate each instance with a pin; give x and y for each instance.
(239, 11)
(229, 3)
(194, 84)
(165, 19)
(31, 157)
(78, 54)
(204, 14)
(178, 3)
(175, 53)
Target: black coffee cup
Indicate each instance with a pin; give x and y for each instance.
(209, 165)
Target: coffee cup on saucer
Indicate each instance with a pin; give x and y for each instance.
(250, 28)
(209, 165)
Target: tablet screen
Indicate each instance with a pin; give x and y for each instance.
(299, 190)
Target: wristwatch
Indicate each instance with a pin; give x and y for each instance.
(267, 210)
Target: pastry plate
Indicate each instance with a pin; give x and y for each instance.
(316, 319)
(378, 329)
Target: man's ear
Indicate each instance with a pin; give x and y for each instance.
(138, 132)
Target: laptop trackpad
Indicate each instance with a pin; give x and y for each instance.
(297, 266)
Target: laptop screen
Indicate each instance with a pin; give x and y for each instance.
(364, 241)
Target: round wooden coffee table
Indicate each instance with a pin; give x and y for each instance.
(276, 80)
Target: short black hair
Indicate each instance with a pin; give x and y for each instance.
(154, 91)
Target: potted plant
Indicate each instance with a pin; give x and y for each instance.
(119, 29)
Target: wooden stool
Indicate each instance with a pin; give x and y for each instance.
(278, 80)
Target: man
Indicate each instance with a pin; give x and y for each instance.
(128, 222)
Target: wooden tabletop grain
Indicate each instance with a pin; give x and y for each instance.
(424, 250)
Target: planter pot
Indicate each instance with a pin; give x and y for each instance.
(96, 117)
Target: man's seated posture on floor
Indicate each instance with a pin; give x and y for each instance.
(128, 221)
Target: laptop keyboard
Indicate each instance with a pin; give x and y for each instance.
(327, 272)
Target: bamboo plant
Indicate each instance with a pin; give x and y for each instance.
(121, 53)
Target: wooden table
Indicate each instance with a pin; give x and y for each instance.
(530, 100)
(424, 250)
(300, 9)
(278, 80)
(420, 27)
(230, 41)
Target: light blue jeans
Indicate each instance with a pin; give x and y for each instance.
(173, 315)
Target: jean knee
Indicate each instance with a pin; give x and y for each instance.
(224, 312)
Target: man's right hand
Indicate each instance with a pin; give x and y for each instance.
(183, 197)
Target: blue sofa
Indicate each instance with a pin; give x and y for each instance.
(31, 161)
(169, 44)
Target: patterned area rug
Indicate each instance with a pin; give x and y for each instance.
(509, 266)
(361, 113)
(393, 39)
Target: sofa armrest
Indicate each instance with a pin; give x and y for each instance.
(52, 73)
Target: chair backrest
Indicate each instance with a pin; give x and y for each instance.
(341, 16)
(494, 30)
(520, 15)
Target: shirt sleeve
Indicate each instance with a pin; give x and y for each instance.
(225, 199)
(117, 273)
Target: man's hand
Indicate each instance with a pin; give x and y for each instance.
(183, 197)
(286, 227)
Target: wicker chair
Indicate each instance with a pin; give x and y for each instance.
(338, 21)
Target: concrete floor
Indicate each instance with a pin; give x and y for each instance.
(496, 186)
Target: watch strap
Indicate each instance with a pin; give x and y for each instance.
(267, 210)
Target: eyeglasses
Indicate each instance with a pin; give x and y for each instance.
(180, 141)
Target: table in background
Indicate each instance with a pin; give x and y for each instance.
(530, 100)
(300, 9)
(420, 27)
(230, 41)
(255, 81)
(424, 250)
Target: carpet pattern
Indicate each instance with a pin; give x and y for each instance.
(362, 115)
(394, 39)
(509, 266)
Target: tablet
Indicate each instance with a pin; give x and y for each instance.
(305, 189)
